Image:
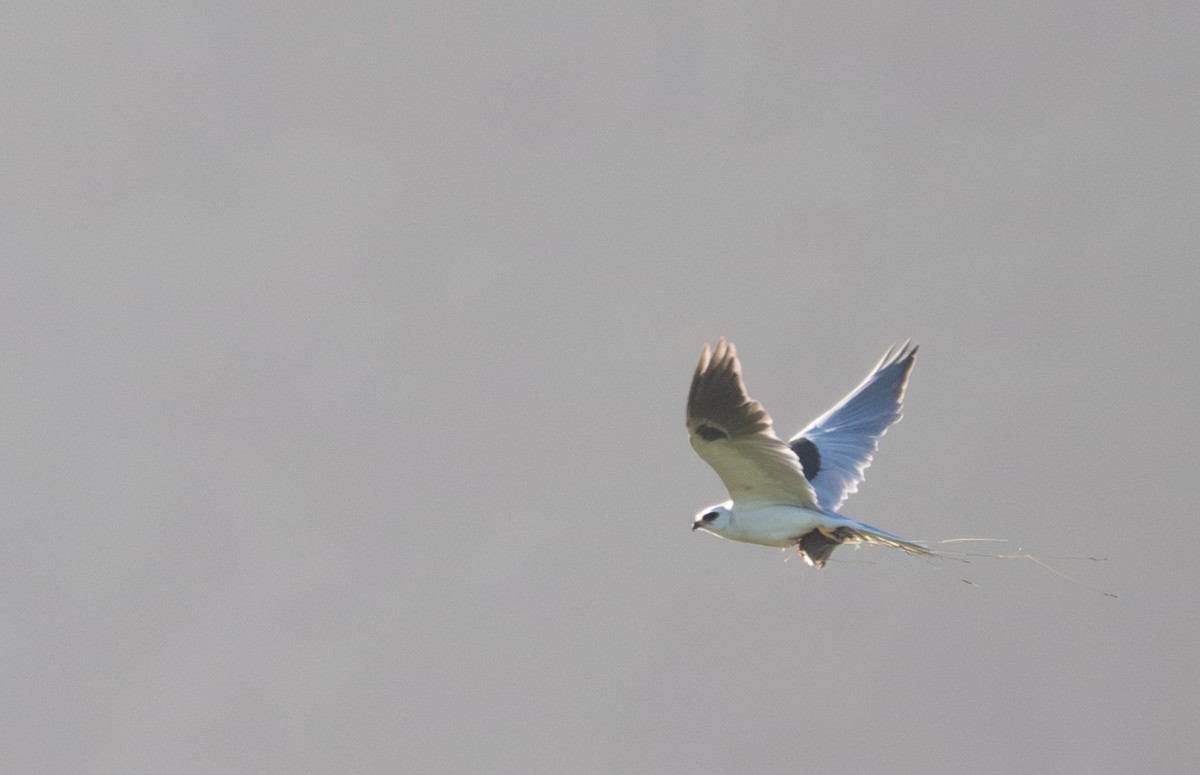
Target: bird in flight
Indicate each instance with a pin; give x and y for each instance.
(788, 494)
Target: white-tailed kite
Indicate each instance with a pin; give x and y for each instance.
(788, 494)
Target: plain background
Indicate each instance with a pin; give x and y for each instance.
(345, 349)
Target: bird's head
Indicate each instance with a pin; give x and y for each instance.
(714, 519)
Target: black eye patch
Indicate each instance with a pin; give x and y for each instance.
(709, 517)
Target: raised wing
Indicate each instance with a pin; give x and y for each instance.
(733, 434)
(836, 448)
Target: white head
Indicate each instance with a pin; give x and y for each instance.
(714, 519)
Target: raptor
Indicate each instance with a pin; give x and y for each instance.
(787, 494)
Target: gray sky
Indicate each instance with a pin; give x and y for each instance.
(345, 352)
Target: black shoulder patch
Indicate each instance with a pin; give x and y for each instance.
(709, 433)
(810, 458)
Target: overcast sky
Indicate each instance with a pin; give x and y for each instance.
(345, 348)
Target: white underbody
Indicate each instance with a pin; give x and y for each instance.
(774, 524)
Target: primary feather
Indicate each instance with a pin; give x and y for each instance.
(837, 447)
(733, 434)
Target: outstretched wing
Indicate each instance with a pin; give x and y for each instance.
(836, 448)
(733, 434)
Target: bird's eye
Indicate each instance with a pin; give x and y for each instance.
(709, 517)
